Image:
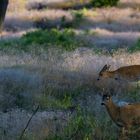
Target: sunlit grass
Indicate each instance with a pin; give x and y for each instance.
(16, 5)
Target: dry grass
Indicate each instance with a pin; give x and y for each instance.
(135, 4)
(57, 4)
(34, 15)
(42, 125)
(65, 71)
(114, 27)
(106, 28)
(81, 66)
(113, 19)
(16, 6)
(27, 20)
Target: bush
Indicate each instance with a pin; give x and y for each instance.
(100, 3)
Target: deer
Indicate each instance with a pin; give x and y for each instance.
(131, 73)
(126, 116)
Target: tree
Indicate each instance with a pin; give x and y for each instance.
(3, 8)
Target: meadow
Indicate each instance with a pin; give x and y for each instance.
(51, 57)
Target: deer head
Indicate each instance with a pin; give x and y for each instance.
(103, 71)
(106, 97)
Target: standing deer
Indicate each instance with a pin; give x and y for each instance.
(131, 73)
(126, 116)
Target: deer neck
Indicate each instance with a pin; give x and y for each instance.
(111, 73)
(113, 111)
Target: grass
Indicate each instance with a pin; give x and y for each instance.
(66, 39)
(58, 99)
(60, 4)
(83, 124)
(42, 40)
(134, 94)
(50, 102)
(86, 126)
(135, 47)
(62, 39)
(78, 16)
(15, 5)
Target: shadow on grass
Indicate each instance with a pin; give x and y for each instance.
(20, 24)
(59, 5)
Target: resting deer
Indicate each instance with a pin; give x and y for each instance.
(125, 117)
(131, 73)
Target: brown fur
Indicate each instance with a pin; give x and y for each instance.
(126, 117)
(127, 72)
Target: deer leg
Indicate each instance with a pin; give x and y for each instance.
(123, 134)
(129, 132)
(134, 132)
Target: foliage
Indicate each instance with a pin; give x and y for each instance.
(62, 39)
(100, 3)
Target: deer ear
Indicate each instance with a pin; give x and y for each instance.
(111, 92)
(102, 91)
(108, 66)
(104, 68)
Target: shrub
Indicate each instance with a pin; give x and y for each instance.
(100, 3)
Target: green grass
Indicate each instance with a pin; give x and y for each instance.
(43, 39)
(78, 17)
(50, 102)
(134, 94)
(40, 41)
(85, 126)
(135, 47)
(58, 99)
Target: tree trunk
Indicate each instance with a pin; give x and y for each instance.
(3, 8)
